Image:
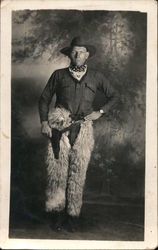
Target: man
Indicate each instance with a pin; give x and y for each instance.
(70, 129)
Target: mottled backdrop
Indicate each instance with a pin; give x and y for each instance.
(117, 167)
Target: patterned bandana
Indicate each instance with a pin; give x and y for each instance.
(78, 72)
(78, 68)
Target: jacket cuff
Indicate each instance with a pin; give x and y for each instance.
(44, 122)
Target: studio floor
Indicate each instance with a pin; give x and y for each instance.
(103, 221)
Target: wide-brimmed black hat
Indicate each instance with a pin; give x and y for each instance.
(78, 41)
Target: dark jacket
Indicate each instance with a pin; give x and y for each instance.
(76, 96)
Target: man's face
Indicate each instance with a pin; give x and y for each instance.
(79, 55)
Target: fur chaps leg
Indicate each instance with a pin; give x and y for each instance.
(57, 174)
(80, 155)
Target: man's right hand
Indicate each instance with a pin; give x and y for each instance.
(46, 130)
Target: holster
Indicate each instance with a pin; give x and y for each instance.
(55, 141)
(57, 130)
(73, 129)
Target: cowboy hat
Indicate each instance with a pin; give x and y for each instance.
(78, 41)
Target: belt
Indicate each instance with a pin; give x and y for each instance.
(77, 117)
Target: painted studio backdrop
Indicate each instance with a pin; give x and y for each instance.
(116, 174)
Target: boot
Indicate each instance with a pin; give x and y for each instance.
(57, 221)
(71, 223)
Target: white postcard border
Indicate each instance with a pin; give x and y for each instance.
(148, 6)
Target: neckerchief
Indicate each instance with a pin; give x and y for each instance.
(78, 72)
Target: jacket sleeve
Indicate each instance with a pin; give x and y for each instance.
(46, 97)
(110, 94)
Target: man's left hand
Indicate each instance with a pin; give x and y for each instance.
(93, 116)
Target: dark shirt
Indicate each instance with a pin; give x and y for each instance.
(76, 96)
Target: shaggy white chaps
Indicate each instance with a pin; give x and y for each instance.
(67, 175)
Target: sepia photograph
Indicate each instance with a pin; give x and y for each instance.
(78, 124)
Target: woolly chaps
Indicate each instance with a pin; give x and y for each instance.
(67, 175)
